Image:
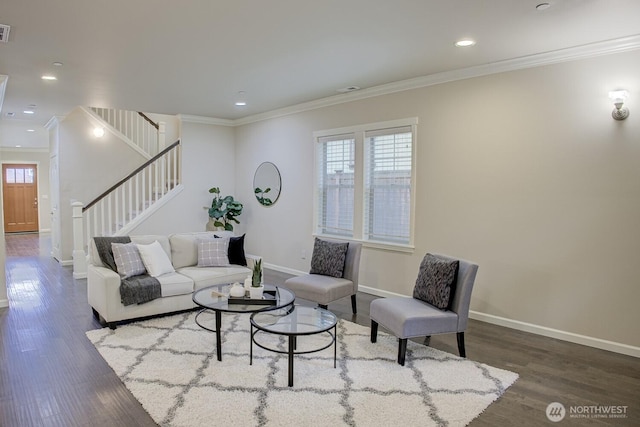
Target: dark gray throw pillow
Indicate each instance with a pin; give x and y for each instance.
(328, 258)
(436, 281)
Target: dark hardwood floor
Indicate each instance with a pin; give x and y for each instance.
(51, 375)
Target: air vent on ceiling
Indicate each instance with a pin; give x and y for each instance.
(4, 33)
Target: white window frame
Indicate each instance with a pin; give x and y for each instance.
(359, 132)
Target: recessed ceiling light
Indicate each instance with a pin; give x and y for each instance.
(49, 77)
(31, 130)
(58, 64)
(240, 100)
(465, 43)
(18, 146)
(543, 6)
(29, 112)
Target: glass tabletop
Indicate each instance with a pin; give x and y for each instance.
(300, 320)
(216, 297)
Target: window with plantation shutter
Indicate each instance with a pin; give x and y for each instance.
(335, 182)
(365, 183)
(387, 185)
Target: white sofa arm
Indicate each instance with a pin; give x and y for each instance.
(103, 289)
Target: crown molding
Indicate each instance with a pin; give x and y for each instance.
(205, 120)
(531, 61)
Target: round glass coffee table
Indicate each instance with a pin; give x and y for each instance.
(294, 322)
(216, 298)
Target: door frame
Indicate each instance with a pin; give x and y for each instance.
(21, 162)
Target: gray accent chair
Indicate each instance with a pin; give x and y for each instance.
(410, 317)
(325, 289)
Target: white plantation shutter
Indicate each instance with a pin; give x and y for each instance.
(335, 181)
(387, 185)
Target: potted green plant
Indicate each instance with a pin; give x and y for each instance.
(223, 211)
(256, 281)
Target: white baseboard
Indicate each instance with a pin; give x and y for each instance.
(509, 323)
(66, 262)
(284, 269)
(4, 303)
(79, 275)
(558, 334)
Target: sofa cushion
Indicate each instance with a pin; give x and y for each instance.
(173, 284)
(436, 281)
(208, 276)
(127, 259)
(184, 250)
(328, 257)
(155, 259)
(213, 252)
(147, 239)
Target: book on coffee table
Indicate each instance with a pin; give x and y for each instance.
(268, 298)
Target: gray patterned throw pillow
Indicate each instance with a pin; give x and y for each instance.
(213, 252)
(127, 259)
(436, 281)
(328, 258)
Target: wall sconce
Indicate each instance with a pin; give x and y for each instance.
(618, 97)
(98, 132)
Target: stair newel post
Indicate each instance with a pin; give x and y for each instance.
(79, 256)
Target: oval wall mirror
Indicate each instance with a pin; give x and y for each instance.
(267, 183)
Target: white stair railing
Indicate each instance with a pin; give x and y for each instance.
(136, 126)
(123, 206)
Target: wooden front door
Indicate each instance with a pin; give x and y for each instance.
(20, 197)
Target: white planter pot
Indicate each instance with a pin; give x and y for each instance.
(256, 292)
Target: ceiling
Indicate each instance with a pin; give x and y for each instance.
(193, 57)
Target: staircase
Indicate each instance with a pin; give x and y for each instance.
(122, 207)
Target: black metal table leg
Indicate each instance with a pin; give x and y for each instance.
(218, 337)
(292, 346)
(335, 344)
(251, 345)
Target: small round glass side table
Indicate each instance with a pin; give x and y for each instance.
(294, 322)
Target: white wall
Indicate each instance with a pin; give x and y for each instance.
(88, 166)
(525, 173)
(4, 299)
(208, 159)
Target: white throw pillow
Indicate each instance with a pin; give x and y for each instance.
(127, 258)
(155, 259)
(213, 253)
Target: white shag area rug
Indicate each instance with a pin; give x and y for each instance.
(169, 364)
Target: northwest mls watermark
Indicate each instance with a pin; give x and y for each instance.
(556, 411)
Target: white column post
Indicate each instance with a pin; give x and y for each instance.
(79, 256)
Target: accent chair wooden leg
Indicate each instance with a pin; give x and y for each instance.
(402, 350)
(353, 304)
(463, 353)
(374, 331)
(427, 340)
(323, 306)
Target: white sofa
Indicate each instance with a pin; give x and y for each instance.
(103, 284)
